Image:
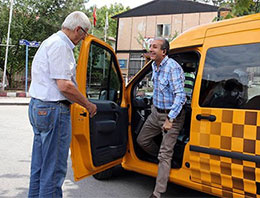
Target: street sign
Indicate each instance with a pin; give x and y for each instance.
(29, 43)
(23, 42)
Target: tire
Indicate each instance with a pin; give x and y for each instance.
(104, 175)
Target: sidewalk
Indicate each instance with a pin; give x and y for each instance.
(14, 98)
(14, 101)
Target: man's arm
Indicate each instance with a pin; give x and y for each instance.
(176, 81)
(70, 91)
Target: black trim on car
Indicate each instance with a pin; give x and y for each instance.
(233, 155)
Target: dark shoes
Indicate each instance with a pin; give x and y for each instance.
(153, 196)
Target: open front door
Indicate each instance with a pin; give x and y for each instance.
(100, 142)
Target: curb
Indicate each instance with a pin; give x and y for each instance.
(14, 94)
(14, 103)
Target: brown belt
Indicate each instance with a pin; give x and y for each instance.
(167, 111)
(162, 110)
(64, 102)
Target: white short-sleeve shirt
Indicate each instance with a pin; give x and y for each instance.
(53, 60)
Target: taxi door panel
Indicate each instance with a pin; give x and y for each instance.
(100, 142)
(108, 132)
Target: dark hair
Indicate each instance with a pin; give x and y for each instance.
(165, 44)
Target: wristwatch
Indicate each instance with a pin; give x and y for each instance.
(170, 119)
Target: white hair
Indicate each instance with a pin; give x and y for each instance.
(76, 18)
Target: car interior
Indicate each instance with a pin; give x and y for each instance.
(142, 100)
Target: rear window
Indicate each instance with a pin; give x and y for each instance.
(231, 77)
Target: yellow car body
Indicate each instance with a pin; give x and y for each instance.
(220, 153)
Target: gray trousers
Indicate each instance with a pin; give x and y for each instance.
(153, 127)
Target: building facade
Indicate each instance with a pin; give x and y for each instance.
(158, 18)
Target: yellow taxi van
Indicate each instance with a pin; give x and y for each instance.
(218, 149)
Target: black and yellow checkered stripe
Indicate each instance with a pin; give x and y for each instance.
(226, 153)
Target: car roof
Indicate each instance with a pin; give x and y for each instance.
(195, 36)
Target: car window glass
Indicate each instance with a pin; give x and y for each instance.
(144, 89)
(103, 81)
(231, 77)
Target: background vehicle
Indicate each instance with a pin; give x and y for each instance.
(217, 150)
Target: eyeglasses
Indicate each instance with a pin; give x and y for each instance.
(84, 30)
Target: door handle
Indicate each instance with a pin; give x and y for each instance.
(210, 118)
(84, 114)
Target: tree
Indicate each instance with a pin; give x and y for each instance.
(145, 43)
(98, 31)
(237, 7)
(241, 7)
(33, 20)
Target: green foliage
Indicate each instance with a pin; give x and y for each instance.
(33, 20)
(240, 8)
(145, 43)
(237, 7)
(243, 7)
(115, 9)
(142, 41)
(171, 37)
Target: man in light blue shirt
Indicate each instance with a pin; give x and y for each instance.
(167, 115)
(53, 89)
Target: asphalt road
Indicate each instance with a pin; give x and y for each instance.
(15, 155)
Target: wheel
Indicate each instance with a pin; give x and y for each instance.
(104, 175)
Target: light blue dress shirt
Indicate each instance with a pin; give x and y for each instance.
(168, 82)
(53, 60)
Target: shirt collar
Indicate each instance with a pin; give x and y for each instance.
(65, 38)
(162, 64)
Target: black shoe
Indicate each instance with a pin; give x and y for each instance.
(153, 196)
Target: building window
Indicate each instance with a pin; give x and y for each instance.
(163, 30)
(135, 64)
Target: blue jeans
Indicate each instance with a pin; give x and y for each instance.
(52, 135)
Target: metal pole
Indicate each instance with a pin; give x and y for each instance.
(106, 27)
(7, 42)
(105, 35)
(90, 68)
(26, 68)
(104, 65)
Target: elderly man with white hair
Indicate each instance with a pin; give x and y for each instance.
(53, 89)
